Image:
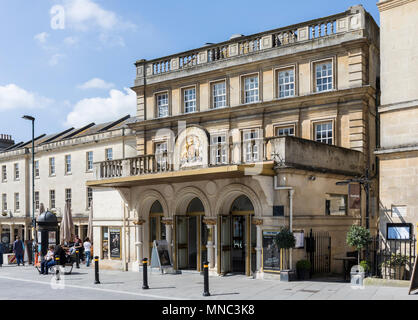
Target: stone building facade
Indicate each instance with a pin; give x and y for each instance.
(398, 112)
(63, 164)
(240, 138)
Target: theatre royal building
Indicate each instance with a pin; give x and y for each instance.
(237, 139)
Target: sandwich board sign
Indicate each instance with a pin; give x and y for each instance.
(414, 278)
(160, 256)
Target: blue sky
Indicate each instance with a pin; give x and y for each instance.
(81, 72)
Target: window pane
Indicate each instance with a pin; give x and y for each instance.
(286, 84)
(323, 76)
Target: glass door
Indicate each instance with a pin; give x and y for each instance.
(181, 241)
(225, 244)
(192, 242)
(238, 246)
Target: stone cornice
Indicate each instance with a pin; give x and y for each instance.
(390, 4)
(398, 106)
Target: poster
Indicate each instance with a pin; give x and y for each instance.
(160, 255)
(300, 239)
(354, 196)
(271, 254)
(114, 243)
(52, 237)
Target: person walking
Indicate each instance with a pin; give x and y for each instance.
(18, 250)
(87, 247)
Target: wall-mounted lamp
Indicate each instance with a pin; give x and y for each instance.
(312, 178)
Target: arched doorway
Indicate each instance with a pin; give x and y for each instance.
(237, 238)
(191, 237)
(156, 227)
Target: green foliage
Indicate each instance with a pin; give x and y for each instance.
(303, 265)
(285, 239)
(395, 260)
(358, 237)
(365, 265)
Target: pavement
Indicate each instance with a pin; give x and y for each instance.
(24, 282)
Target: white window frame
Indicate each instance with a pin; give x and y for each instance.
(37, 169)
(67, 163)
(278, 86)
(219, 148)
(52, 199)
(52, 168)
(107, 150)
(184, 90)
(161, 154)
(16, 171)
(3, 173)
(284, 126)
(246, 97)
(166, 106)
(89, 162)
(68, 192)
(4, 202)
(37, 200)
(314, 65)
(214, 95)
(322, 122)
(89, 197)
(251, 146)
(17, 202)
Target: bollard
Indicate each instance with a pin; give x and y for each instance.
(57, 268)
(144, 273)
(206, 279)
(96, 270)
(77, 259)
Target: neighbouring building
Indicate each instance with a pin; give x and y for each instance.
(398, 112)
(63, 164)
(237, 139)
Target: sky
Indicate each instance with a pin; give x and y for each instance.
(71, 62)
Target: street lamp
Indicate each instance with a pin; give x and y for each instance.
(26, 117)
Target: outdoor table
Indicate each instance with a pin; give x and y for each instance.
(346, 261)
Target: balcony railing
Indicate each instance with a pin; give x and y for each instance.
(283, 151)
(352, 19)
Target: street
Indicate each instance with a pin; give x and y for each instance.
(26, 283)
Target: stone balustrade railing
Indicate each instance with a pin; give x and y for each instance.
(352, 19)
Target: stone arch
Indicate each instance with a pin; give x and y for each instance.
(145, 202)
(187, 194)
(227, 195)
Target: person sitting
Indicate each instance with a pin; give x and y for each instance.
(49, 261)
(59, 252)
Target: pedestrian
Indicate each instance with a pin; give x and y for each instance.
(18, 250)
(78, 244)
(1, 254)
(48, 262)
(87, 247)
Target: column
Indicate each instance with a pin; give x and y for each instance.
(259, 244)
(210, 223)
(12, 233)
(168, 232)
(139, 242)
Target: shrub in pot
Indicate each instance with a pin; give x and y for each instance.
(394, 267)
(303, 268)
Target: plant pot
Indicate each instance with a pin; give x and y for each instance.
(394, 273)
(303, 274)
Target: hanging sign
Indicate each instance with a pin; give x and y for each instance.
(354, 196)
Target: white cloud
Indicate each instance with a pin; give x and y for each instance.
(41, 37)
(100, 109)
(111, 40)
(55, 59)
(85, 14)
(14, 97)
(70, 41)
(96, 83)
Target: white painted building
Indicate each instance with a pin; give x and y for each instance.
(63, 164)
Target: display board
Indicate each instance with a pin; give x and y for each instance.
(300, 239)
(114, 243)
(160, 256)
(271, 253)
(52, 237)
(414, 279)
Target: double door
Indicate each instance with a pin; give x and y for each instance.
(191, 238)
(236, 253)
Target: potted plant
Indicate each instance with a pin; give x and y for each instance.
(285, 240)
(303, 268)
(394, 267)
(358, 237)
(365, 265)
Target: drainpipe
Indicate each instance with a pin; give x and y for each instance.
(291, 192)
